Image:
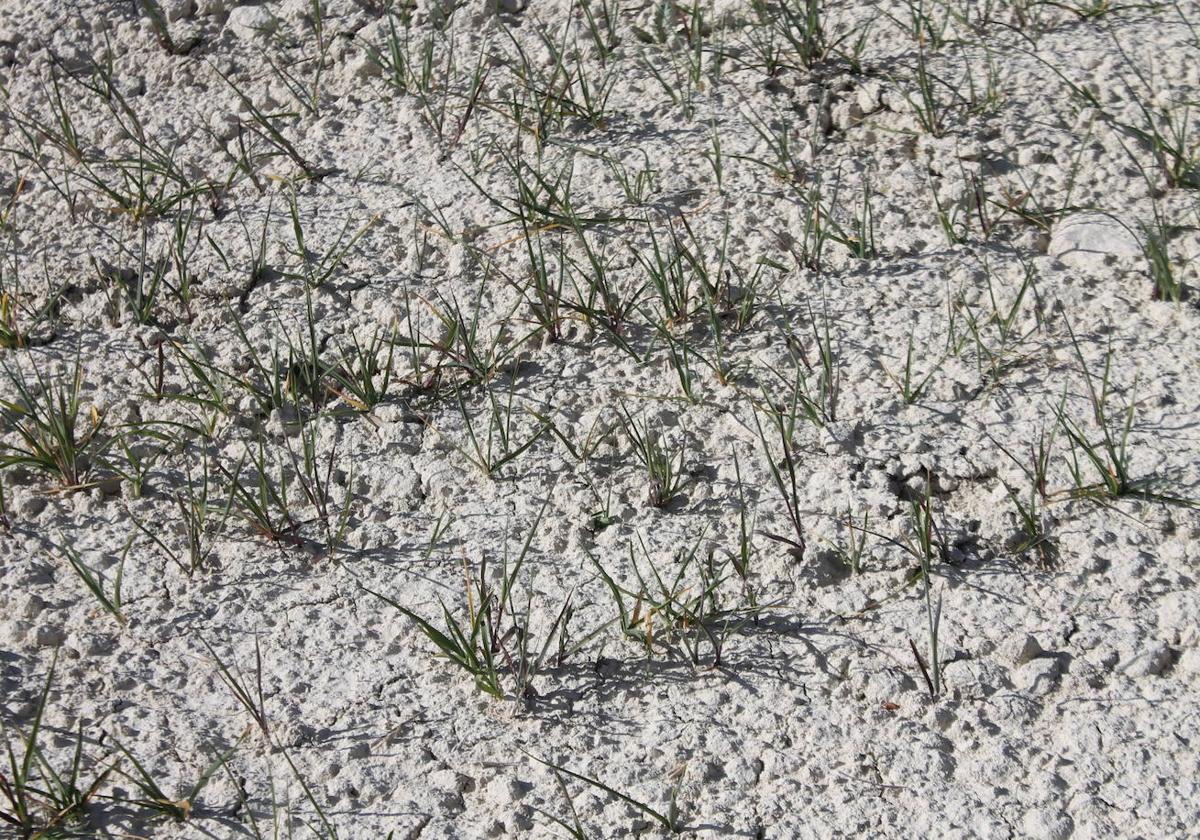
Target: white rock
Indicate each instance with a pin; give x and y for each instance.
(251, 21)
(1049, 823)
(294, 11)
(1151, 660)
(1189, 663)
(177, 9)
(1021, 649)
(210, 8)
(28, 606)
(223, 126)
(1088, 239)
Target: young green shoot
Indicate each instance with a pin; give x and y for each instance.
(664, 466)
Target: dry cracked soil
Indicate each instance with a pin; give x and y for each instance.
(724, 418)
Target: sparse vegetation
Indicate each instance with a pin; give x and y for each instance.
(392, 389)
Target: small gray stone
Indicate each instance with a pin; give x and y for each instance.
(1021, 649)
(50, 635)
(29, 605)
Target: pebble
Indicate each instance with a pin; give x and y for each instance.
(28, 605)
(1020, 649)
(50, 635)
(1047, 823)
(177, 9)
(251, 22)
(210, 8)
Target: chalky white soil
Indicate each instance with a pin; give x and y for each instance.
(1068, 662)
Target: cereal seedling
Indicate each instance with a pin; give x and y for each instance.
(860, 239)
(137, 287)
(601, 17)
(673, 269)
(206, 386)
(923, 525)
(911, 388)
(11, 335)
(53, 438)
(158, 20)
(200, 521)
(1033, 531)
(364, 374)
(325, 830)
(638, 187)
(318, 268)
(715, 158)
(307, 93)
(490, 450)
(248, 693)
(664, 466)
(464, 349)
(543, 292)
(1164, 128)
(786, 167)
(261, 499)
(995, 333)
(801, 25)
(812, 392)
(574, 828)
(469, 645)
(1154, 239)
(744, 556)
(670, 821)
(111, 601)
(406, 72)
(921, 25)
(316, 481)
(481, 645)
(1109, 458)
(151, 795)
(597, 297)
(680, 612)
(137, 462)
(926, 106)
(783, 475)
(264, 126)
(954, 223)
(581, 449)
(37, 800)
(855, 548)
